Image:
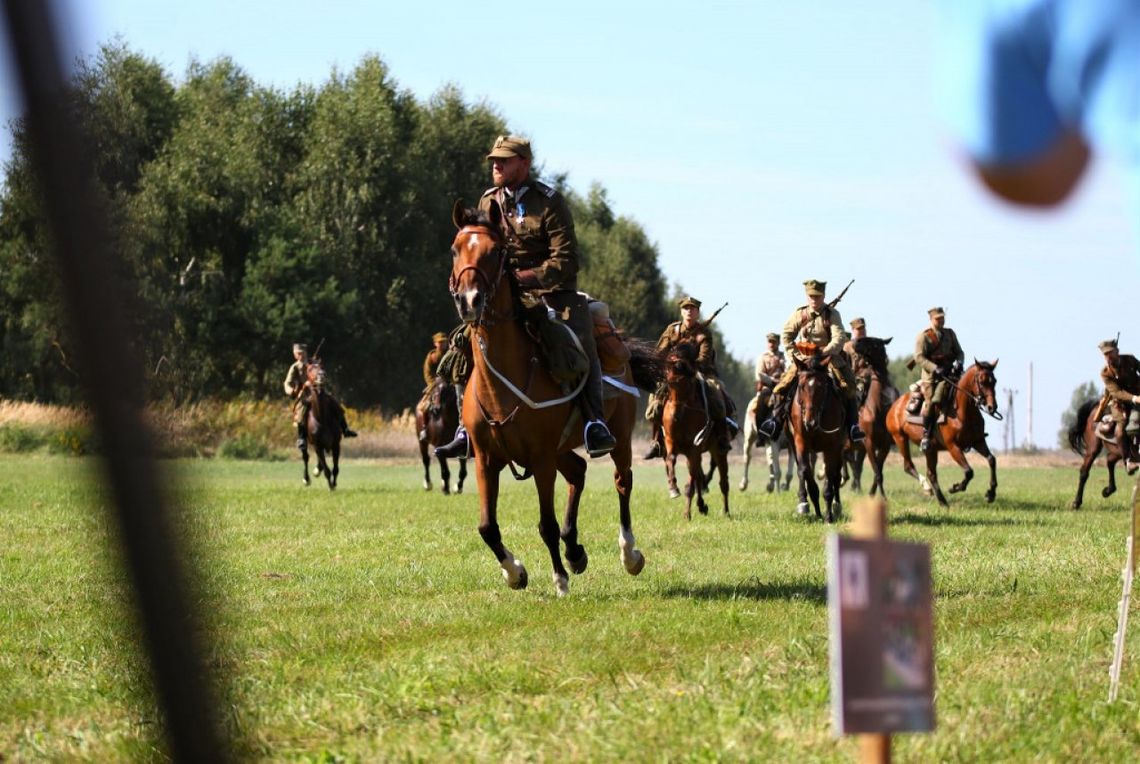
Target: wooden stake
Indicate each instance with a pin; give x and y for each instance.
(870, 522)
(1125, 598)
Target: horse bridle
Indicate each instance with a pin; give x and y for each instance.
(813, 423)
(978, 399)
(492, 284)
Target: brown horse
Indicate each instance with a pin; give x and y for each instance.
(515, 412)
(322, 426)
(435, 425)
(1084, 441)
(880, 394)
(683, 417)
(963, 429)
(816, 423)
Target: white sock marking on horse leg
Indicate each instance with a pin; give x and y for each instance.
(561, 584)
(513, 570)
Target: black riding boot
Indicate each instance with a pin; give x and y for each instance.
(458, 448)
(655, 449)
(1127, 448)
(344, 427)
(855, 432)
(596, 437)
(928, 424)
(302, 436)
(774, 424)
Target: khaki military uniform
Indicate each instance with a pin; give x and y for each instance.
(431, 365)
(1121, 382)
(825, 329)
(769, 368)
(933, 349)
(539, 233)
(295, 380)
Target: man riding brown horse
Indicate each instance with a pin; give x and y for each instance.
(542, 254)
(719, 405)
(860, 369)
(818, 323)
(939, 356)
(295, 381)
(432, 360)
(1121, 378)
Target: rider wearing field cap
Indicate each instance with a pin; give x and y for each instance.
(1121, 378)
(859, 368)
(939, 356)
(542, 252)
(818, 323)
(294, 385)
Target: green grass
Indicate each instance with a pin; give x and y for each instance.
(372, 624)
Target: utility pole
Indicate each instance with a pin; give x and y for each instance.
(1029, 428)
(1009, 434)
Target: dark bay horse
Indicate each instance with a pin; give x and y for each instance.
(880, 394)
(683, 416)
(516, 413)
(816, 423)
(963, 429)
(322, 426)
(435, 426)
(1084, 441)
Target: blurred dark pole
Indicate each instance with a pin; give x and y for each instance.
(113, 376)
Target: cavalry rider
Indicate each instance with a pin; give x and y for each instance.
(860, 369)
(939, 357)
(1121, 378)
(690, 329)
(543, 256)
(296, 380)
(439, 348)
(770, 366)
(819, 323)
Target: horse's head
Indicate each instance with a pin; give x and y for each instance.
(681, 363)
(315, 374)
(874, 351)
(811, 385)
(983, 383)
(478, 260)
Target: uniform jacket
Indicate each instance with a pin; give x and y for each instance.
(1122, 381)
(431, 365)
(824, 328)
(539, 233)
(769, 367)
(675, 334)
(295, 379)
(933, 349)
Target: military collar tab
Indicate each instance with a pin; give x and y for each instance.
(544, 189)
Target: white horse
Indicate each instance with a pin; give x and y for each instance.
(752, 437)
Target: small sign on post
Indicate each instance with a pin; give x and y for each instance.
(882, 634)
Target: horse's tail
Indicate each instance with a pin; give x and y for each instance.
(1077, 429)
(646, 364)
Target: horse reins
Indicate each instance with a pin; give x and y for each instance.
(978, 399)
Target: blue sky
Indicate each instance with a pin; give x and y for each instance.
(759, 144)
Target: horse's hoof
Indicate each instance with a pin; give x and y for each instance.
(990, 496)
(305, 481)
(688, 515)
(770, 487)
(703, 509)
(1106, 492)
(578, 566)
(803, 509)
(519, 580)
(634, 562)
(458, 489)
(1075, 505)
(427, 485)
(674, 493)
(446, 489)
(744, 485)
(561, 584)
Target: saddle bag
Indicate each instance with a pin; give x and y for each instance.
(565, 359)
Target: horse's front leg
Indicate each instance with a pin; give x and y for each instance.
(444, 476)
(671, 474)
(932, 477)
(631, 557)
(427, 464)
(336, 466)
(573, 470)
(807, 480)
(983, 448)
(544, 473)
(305, 466)
(833, 467)
(487, 478)
(697, 482)
(749, 441)
(959, 458)
(1110, 461)
(722, 467)
(462, 476)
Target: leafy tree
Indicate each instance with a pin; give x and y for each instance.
(1088, 391)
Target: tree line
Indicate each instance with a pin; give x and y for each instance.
(248, 218)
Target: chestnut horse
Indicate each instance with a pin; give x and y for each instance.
(962, 430)
(323, 425)
(1084, 441)
(437, 422)
(683, 416)
(880, 394)
(817, 426)
(515, 412)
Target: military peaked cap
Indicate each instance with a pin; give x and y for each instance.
(814, 288)
(690, 302)
(773, 337)
(858, 323)
(1107, 345)
(936, 311)
(507, 146)
(301, 346)
(438, 336)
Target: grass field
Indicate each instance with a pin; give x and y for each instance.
(372, 624)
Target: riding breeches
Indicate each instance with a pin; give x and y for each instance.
(940, 392)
